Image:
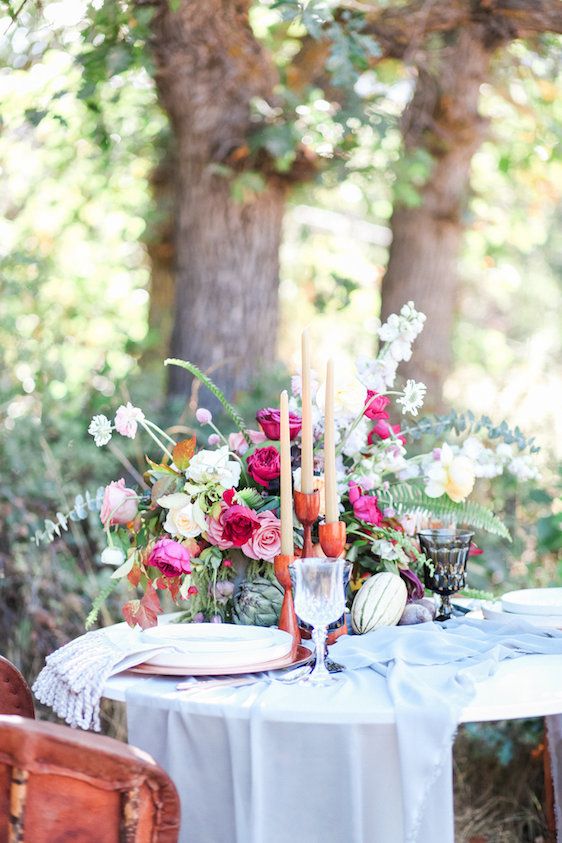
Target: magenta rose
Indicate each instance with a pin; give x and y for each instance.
(239, 524)
(170, 557)
(269, 418)
(364, 506)
(264, 465)
(119, 505)
(265, 543)
(375, 405)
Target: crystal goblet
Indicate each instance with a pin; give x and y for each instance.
(319, 601)
(448, 551)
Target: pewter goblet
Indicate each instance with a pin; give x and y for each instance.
(448, 551)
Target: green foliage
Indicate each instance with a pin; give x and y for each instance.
(100, 601)
(466, 424)
(213, 388)
(407, 497)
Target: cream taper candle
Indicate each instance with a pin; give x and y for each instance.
(286, 507)
(332, 507)
(306, 434)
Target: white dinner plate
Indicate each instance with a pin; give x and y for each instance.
(205, 645)
(533, 601)
(494, 612)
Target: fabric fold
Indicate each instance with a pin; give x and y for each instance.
(431, 672)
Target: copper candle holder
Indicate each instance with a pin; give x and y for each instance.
(332, 538)
(287, 619)
(307, 510)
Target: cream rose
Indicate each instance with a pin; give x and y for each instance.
(184, 518)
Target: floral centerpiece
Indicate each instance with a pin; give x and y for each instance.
(205, 525)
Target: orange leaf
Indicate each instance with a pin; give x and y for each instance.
(183, 452)
(145, 611)
(134, 575)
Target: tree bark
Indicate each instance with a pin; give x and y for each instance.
(442, 119)
(159, 241)
(209, 67)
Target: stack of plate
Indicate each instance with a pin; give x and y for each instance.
(538, 606)
(213, 649)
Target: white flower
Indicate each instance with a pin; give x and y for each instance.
(100, 428)
(214, 467)
(387, 550)
(112, 556)
(184, 517)
(453, 475)
(356, 439)
(523, 468)
(400, 349)
(413, 397)
(391, 329)
(377, 374)
(127, 418)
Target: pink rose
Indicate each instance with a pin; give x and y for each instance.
(264, 465)
(239, 524)
(215, 529)
(119, 504)
(238, 444)
(269, 419)
(170, 557)
(265, 543)
(383, 430)
(375, 406)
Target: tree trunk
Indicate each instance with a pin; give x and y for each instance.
(442, 119)
(209, 67)
(159, 241)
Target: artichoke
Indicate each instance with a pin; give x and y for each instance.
(257, 602)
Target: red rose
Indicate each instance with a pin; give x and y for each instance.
(375, 406)
(269, 419)
(239, 524)
(264, 465)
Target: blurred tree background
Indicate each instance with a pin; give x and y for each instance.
(209, 178)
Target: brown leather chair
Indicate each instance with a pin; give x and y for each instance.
(59, 785)
(15, 694)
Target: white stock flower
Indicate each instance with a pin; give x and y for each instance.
(100, 428)
(400, 349)
(184, 517)
(214, 467)
(378, 373)
(413, 397)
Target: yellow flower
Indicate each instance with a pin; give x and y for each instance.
(451, 475)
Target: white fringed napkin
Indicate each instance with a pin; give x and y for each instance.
(74, 676)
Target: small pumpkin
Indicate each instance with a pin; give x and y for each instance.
(379, 602)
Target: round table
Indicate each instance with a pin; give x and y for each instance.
(248, 772)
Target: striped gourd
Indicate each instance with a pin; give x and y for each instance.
(379, 602)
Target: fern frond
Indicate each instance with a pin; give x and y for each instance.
(406, 497)
(213, 388)
(98, 602)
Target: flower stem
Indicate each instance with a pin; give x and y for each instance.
(158, 442)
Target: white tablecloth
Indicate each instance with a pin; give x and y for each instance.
(248, 772)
